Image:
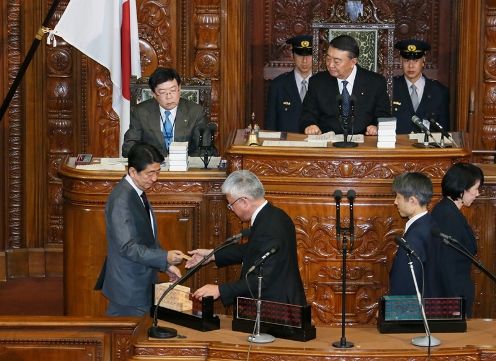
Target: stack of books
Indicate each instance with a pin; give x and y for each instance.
(386, 132)
(178, 156)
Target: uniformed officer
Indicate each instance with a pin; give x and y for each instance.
(414, 93)
(286, 91)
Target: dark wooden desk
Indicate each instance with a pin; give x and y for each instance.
(302, 182)
(190, 212)
(478, 343)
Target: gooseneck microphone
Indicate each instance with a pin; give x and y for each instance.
(233, 239)
(418, 122)
(262, 259)
(165, 332)
(405, 245)
(443, 131)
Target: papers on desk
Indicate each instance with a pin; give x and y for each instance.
(419, 137)
(332, 137)
(269, 135)
(117, 164)
(294, 143)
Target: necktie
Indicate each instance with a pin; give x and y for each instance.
(414, 96)
(146, 204)
(346, 99)
(303, 89)
(166, 122)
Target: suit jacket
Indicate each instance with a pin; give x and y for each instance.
(281, 277)
(134, 254)
(419, 237)
(455, 267)
(283, 104)
(434, 104)
(145, 125)
(320, 106)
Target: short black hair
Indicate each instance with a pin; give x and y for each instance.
(414, 184)
(459, 178)
(346, 43)
(161, 75)
(143, 154)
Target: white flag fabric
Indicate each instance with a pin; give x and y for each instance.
(107, 32)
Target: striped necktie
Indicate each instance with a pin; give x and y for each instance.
(168, 128)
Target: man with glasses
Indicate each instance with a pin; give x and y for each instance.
(166, 117)
(134, 254)
(270, 229)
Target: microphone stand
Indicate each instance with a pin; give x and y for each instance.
(207, 151)
(260, 337)
(156, 331)
(474, 260)
(342, 343)
(343, 119)
(428, 340)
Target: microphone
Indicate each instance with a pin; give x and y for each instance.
(418, 122)
(443, 131)
(262, 259)
(200, 130)
(156, 331)
(338, 195)
(234, 239)
(404, 244)
(439, 127)
(351, 195)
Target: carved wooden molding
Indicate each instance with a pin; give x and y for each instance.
(341, 168)
(15, 221)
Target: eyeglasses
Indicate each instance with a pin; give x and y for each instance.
(230, 205)
(167, 93)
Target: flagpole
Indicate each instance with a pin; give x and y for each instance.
(27, 59)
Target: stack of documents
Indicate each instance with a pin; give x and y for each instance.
(178, 156)
(386, 132)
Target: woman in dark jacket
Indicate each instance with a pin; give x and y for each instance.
(460, 187)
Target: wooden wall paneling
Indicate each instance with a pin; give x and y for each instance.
(204, 41)
(61, 120)
(481, 216)
(157, 30)
(14, 129)
(4, 144)
(233, 83)
(487, 124)
(66, 338)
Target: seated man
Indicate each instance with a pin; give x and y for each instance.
(414, 93)
(271, 228)
(413, 194)
(166, 117)
(344, 90)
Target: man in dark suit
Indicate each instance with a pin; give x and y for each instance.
(271, 228)
(413, 194)
(166, 117)
(345, 91)
(286, 92)
(414, 93)
(134, 254)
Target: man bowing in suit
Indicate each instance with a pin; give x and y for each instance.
(414, 93)
(271, 230)
(166, 117)
(344, 90)
(287, 91)
(134, 254)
